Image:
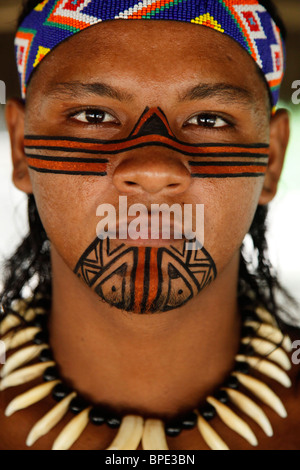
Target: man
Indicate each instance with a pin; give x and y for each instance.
(159, 112)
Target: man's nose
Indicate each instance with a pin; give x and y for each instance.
(152, 174)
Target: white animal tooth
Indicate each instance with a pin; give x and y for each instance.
(50, 420)
(24, 375)
(265, 316)
(233, 421)
(6, 340)
(8, 323)
(271, 333)
(250, 408)
(267, 368)
(19, 306)
(30, 314)
(15, 340)
(21, 357)
(266, 331)
(129, 434)
(270, 351)
(72, 431)
(154, 436)
(263, 392)
(210, 436)
(287, 343)
(30, 397)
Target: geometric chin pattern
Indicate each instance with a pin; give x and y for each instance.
(145, 279)
(246, 21)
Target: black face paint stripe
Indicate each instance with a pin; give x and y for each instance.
(152, 144)
(233, 164)
(68, 172)
(66, 159)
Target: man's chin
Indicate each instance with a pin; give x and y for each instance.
(145, 279)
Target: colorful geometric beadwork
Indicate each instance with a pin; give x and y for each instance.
(245, 21)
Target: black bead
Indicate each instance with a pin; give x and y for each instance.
(50, 374)
(242, 367)
(113, 422)
(60, 392)
(246, 350)
(97, 416)
(46, 355)
(208, 412)
(249, 315)
(42, 303)
(222, 396)
(77, 405)
(232, 382)
(189, 421)
(247, 331)
(40, 321)
(40, 338)
(173, 429)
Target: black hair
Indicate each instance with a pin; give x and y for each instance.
(31, 261)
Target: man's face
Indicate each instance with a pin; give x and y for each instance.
(97, 85)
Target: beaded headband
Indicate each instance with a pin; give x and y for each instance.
(246, 21)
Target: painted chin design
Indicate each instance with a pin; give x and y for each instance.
(144, 279)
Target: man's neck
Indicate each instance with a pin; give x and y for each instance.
(157, 364)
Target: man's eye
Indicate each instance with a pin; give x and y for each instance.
(94, 116)
(208, 120)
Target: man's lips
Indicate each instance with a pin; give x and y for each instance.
(142, 233)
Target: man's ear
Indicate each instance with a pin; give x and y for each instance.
(15, 117)
(279, 138)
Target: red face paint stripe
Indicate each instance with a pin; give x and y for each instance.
(67, 166)
(215, 170)
(153, 278)
(140, 279)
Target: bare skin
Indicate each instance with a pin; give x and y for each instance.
(167, 362)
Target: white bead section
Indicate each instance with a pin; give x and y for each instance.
(154, 436)
(129, 434)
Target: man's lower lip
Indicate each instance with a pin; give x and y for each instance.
(148, 242)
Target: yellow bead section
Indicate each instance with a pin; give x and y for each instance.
(41, 6)
(42, 52)
(208, 20)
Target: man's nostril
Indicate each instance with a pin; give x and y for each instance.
(130, 183)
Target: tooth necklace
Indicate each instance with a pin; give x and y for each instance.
(263, 348)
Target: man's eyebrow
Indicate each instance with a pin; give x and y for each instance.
(223, 91)
(74, 89)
